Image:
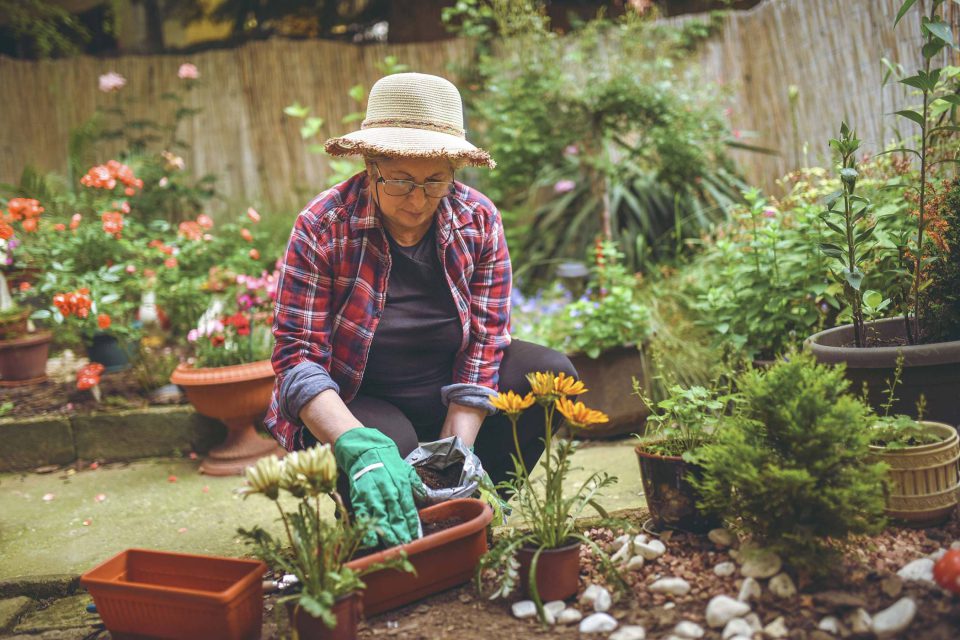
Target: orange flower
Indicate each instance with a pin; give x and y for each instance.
(76, 303)
(6, 231)
(205, 221)
(112, 222)
(578, 415)
(511, 403)
(24, 208)
(246, 235)
(252, 214)
(29, 225)
(170, 263)
(103, 321)
(191, 230)
(25, 286)
(565, 385)
(254, 254)
(75, 220)
(59, 227)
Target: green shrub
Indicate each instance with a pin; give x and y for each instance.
(790, 469)
(944, 290)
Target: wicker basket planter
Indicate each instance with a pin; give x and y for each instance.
(924, 480)
(177, 595)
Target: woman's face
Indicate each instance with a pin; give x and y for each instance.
(408, 217)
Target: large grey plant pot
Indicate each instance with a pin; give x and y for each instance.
(609, 382)
(932, 370)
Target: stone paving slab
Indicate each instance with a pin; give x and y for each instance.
(11, 609)
(63, 614)
(33, 442)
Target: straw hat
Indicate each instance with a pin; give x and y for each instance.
(412, 115)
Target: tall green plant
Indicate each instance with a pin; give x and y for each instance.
(937, 35)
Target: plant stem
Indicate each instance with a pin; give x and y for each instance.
(918, 263)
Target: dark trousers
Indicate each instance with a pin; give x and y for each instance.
(420, 420)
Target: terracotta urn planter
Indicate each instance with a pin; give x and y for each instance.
(23, 360)
(157, 594)
(925, 479)
(558, 571)
(670, 497)
(609, 380)
(932, 370)
(348, 609)
(443, 559)
(237, 395)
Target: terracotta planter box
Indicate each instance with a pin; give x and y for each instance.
(236, 395)
(925, 479)
(443, 559)
(23, 360)
(610, 389)
(178, 596)
(929, 369)
(558, 571)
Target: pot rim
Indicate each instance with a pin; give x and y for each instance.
(531, 548)
(914, 355)
(29, 340)
(640, 451)
(188, 375)
(922, 448)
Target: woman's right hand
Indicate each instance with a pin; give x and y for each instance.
(382, 485)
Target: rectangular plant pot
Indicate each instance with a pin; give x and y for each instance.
(443, 559)
(159, 594)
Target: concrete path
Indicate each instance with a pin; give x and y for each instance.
(65, 523)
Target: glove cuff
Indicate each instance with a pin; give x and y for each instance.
(355, 442)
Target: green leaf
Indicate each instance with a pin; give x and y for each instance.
(912, 115)
(834, 226)
(831, 250)
(941, 31)
(952, 98)
(932, 48)
(854, 278)
(296, 110)
(903, 10)
(357, 92)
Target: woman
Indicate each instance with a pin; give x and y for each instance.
(393, 309)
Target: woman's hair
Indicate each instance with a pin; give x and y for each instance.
(455, 163)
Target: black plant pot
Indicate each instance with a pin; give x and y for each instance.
(106, 349)
(932, 370)
(672, 500)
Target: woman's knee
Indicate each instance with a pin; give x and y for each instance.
(522, 358)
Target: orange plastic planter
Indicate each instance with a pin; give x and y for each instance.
(558, 571)
(443, 559)
(178, 596)
(347, 609)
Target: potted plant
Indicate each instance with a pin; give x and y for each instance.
(545, 559)
(315, 549)
(231, 377)
(925, 331)
(678, 426)
(923, 457)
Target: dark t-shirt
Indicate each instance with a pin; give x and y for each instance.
(419, 333)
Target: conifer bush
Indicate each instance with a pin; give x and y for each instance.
(791, 470)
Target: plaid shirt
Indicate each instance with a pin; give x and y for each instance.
(333, 288)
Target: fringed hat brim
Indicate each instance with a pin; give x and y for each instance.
(401, 142)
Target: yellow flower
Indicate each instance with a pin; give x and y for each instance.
(312, 471)
(565, 385)
(541, 383)
(578, 415)
(263, 477)
(511, 403)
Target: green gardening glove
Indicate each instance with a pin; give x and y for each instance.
(381, 485)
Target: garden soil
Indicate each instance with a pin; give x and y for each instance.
(867, 579)
(118, 390)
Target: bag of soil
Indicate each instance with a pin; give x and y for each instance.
(448, 469)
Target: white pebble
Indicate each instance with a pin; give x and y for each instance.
(721, 537)
(673, 586)
(781, 585)
(830, 624)
(651, 550)
(723, 609)
(669, 605)
(749, 590)
(589, 594)
(598, 623)
(569, 616)
(524, 609)
(687, 629)
(754, 621)
(737, 627)
(725, 569)
(555, 607)
(635, 563)
(760, 564)
(641, 538)
(894, 619)
(619, 541)
(622, 555)
(921, 570)
(603, 601)
(776, 629)
(936, 555)
(955, 544)
(630, 632)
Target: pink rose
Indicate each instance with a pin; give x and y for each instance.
(110, 82)
(562, 186)
(188, 71)
(252, 214)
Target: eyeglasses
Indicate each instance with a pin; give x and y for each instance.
(399, 188)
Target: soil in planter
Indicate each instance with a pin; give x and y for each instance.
(428, 527)
(443, 479)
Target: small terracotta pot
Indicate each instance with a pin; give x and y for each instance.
(443, 559)
(347, 609)
(558, 571)
(23, 360)
(671, 498)
(160, 594)
(236, 395)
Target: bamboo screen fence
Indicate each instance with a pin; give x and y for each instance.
(829, 49)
